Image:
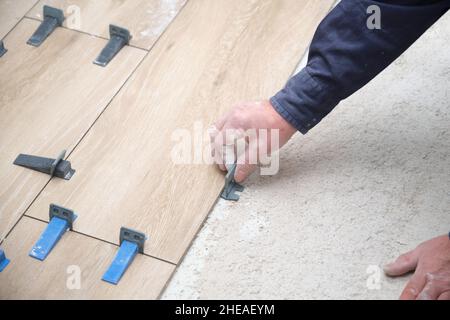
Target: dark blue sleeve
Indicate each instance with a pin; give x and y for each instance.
(345, 55)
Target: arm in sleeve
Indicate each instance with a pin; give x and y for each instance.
(345, 55)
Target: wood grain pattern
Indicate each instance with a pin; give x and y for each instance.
(11, 11)
(146, 19)
(214, 54)
(28, 278)
(49, 97)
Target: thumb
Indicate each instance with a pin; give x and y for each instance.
(405, 263)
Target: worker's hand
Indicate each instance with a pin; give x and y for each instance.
(233, 140)
(431, 262)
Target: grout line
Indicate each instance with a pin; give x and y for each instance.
(73, 30)
(20, 217)
(107, 105)
(88, 130)
(18, 22)
(125, 82)
(89, 34)
(101, 240)
(15, 25)
(31, 9)
(24, 212)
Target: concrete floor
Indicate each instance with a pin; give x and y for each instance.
(368, 183)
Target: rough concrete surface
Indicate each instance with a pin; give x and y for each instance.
(368, 183)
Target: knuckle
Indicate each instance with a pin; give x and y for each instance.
(412, 289)
(236, 118)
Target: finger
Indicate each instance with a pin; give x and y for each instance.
(405, 263)
(431, 291)
(221, 121)
(414, 287)
(246, 164)
(212, 132)
(219, 150)
(243, 171)
(444, 296)
(225, 145)
(218, 154)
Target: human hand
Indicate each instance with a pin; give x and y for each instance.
(237, 126)
(431, 262)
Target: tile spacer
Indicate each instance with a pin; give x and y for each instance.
(231, 186)
(61, 220)
(131, 243)
(53, 18)
(54, 167)
(118, 38)
(2, 48)
(3, 260)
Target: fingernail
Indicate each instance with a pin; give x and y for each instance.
(388, 267)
